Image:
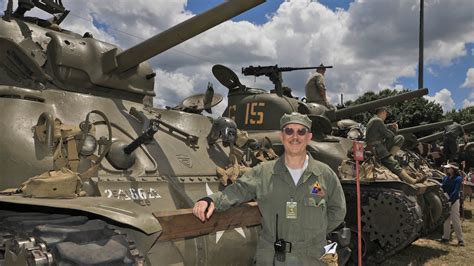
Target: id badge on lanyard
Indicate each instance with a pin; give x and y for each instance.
(291, 209)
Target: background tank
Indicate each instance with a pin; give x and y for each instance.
(394, 213)
(71, 101)
(435, 152)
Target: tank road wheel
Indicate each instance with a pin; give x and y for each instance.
(437, 210)
(392, 220)
(57, 239)
(445, 210)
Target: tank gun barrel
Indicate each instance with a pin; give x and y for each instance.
(414, 129)
(430, 138)
(334, 115)
(182, 32)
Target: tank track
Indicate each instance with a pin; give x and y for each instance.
(35, 238)
(391, 220)
(433, 226)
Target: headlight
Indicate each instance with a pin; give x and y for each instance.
(89, 146)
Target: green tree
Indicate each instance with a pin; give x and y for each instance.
(461, 116)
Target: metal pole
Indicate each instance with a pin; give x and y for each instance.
(420, 48)
(358, 154)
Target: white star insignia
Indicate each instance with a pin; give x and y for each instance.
(219, 234)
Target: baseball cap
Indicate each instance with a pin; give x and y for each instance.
(295, 118)
(451, 165)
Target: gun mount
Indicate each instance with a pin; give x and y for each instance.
(274, 73)
(433, 137)
(63, 60)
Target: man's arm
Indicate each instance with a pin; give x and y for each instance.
(457, 189)
(243, 190)
(383, 129)
(336, 202)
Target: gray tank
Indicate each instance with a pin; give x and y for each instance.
(395, 213)
(72, 115)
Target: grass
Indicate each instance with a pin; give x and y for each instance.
(428, 251)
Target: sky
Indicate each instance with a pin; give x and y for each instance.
(372, 44)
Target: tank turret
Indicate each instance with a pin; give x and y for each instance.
(61, 59)
(257, 109)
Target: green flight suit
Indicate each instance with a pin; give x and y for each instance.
(272, 186)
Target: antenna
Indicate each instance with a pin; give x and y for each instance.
(276, 228)
(280, 244)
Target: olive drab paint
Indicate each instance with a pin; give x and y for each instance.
(72, 101)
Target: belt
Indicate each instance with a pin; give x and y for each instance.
(375, 142)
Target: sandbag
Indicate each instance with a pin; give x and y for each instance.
(53, 184)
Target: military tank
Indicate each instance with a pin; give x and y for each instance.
(394, 213)
(87, 168)
(436, 155)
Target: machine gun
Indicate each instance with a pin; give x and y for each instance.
(274, 73)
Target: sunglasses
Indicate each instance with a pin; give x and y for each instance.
(300, 131)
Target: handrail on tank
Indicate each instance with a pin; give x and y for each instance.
(414, 129)
(181, 32)
(334, 115)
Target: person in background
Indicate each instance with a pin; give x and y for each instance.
(450, 143)
(452, 186)
(386, 144)
(315, 87)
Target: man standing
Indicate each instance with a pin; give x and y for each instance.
(452, 186)
(450, 145)
(315, 87)
(302, 195)
(386, 144)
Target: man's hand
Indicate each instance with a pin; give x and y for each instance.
(200, 208)
(395, 125)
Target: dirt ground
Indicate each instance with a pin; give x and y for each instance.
(428, 251)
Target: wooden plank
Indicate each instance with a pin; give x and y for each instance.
(182, 223)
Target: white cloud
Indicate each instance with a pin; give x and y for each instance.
(443, 97)
(469, 101)
(469, 82)
(371, 45)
